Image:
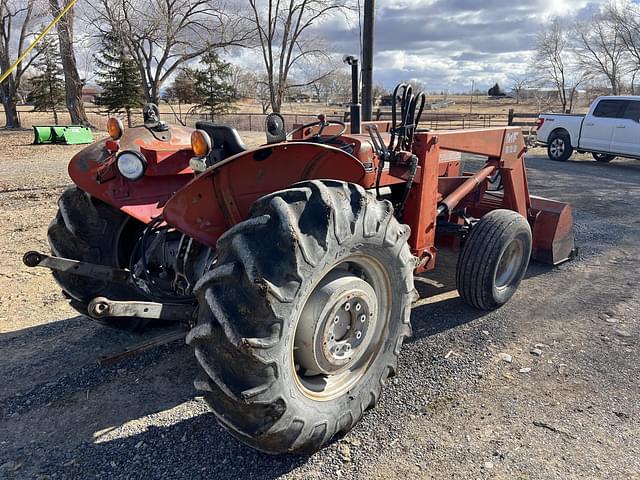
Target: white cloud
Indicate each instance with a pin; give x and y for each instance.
(447, 43)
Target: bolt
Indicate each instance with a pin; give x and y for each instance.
(363, 318)
(358, 335)
(358, 307)
(347, 307)
(336, 320)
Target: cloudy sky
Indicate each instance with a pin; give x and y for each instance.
(449, 43)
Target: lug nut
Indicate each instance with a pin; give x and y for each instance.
(358, 335)
(358, 307)
(336, 320)
(347, 307)
(363, 318)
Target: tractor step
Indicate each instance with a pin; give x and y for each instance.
(83, 269)
(101, 307)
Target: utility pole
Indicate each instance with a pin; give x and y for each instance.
(367, 58)
(473, 83)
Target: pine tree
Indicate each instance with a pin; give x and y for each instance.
(213, 88)
(47, 88)
(119, 78)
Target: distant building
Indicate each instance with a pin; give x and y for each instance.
(89, 93)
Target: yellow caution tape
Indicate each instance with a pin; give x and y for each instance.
(6, 74)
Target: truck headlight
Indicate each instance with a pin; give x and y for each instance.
(131, 165)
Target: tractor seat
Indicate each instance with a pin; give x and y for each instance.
(225, 141)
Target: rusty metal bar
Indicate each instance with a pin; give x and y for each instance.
(455, 197)
(83, 269)
(136, 349)
(101, 307)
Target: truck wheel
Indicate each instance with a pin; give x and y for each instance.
(302, 318)
(602, 157)
(559, 147)
(91, 231)
(494, 259)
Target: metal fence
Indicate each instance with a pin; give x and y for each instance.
(255, 121)
(98, 118)
(452, 121)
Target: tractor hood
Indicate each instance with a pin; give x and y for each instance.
(167, 156)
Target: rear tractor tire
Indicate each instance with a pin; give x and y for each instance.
(302, 318)
(559, 147)
(494, 259)
(88, 230)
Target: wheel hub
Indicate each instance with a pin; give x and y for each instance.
(335, 326)
(557, 147)
(509, 264)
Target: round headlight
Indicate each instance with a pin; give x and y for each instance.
(114, 128)
(131, 165)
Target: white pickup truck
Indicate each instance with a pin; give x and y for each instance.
(610, 129)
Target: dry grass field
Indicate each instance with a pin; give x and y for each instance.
(299, 112)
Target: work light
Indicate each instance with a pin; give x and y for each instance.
(200, 143)
(131, 165)
(114, 128)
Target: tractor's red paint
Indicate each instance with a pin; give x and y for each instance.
(204, 206)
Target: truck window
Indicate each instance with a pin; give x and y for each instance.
(632, 111)
(610, 108)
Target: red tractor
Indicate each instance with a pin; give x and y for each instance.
(292, 264)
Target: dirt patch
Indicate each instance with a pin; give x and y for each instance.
(566, 406)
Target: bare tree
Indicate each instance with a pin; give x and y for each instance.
(335, 88)
(17, 20)
(519, 82)
(283, 31)
(556, 63)
(163, 35)
(625, 16)
(601, 50)
(72, 82)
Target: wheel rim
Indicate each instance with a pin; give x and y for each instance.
(341, 328)
(509, 264)
(557, 147)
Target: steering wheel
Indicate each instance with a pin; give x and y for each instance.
(323, 124)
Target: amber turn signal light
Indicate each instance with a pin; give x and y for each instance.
(200, 143)
(114, 128)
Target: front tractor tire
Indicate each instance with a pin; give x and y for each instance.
(302, 318)
(494, 259)
(88, 230)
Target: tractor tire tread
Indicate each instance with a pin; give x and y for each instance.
(481, 251)
(297, 228)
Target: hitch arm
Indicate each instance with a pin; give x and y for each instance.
(83, 269)
(101, 307)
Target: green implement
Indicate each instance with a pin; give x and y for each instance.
(70, 135)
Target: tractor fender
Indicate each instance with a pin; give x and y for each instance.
(221, 197)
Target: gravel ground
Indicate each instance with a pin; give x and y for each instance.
(546, 387)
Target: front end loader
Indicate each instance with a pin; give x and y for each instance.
(292, 264)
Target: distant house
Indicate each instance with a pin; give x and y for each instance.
(89, 93)
(545, 93)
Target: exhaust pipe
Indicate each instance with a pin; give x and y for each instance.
(355, 108)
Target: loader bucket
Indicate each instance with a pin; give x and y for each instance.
(43, 134)
(75, 135)
(553, 241)
(71, 135)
